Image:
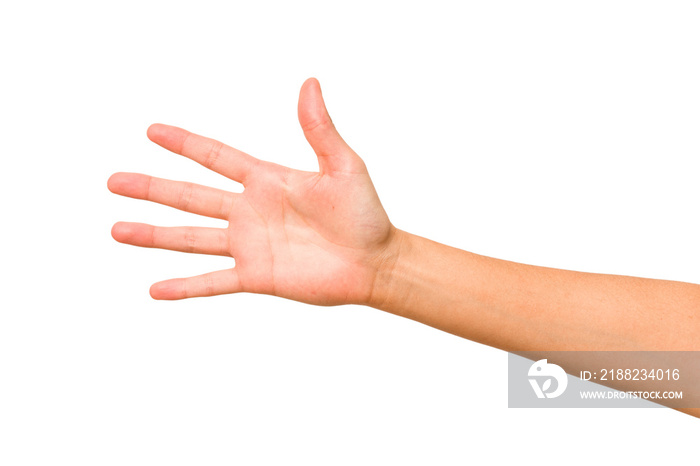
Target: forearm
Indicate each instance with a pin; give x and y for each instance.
(519, 307)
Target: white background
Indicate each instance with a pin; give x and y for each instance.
(554, 133)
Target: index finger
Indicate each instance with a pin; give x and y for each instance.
(210, 153)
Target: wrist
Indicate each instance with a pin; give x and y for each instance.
(387, 286)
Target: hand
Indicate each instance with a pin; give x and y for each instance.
(314, 237)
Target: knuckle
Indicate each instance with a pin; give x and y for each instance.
(317, 125)
(148, 188)
(214, 154)
(185, 196)
(208, 286)
(224, 244)
(153, 239)
(224, 206)
(190, 241)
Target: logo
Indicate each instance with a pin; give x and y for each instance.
(541, 370)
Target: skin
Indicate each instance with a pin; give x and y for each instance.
(324, 238)
(316, 237)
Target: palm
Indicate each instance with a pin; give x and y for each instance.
(307, 236)
(301, 235)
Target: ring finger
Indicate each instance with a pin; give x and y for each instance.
(197, 240)
(182, 195)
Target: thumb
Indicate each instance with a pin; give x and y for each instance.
(333, 152)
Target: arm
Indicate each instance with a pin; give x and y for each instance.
(518, 307)
(323, 238)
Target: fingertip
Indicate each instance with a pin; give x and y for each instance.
(115, 231)
(113, 181)
(311, 108)
(154, 130)
(122, 231)
(133, 185)
(311, 82)
(154, 292)
(169, 137)
(124, 183)
(164, 135)
(163, 291)
(310, 91)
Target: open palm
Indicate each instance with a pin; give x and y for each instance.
(316, 237)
